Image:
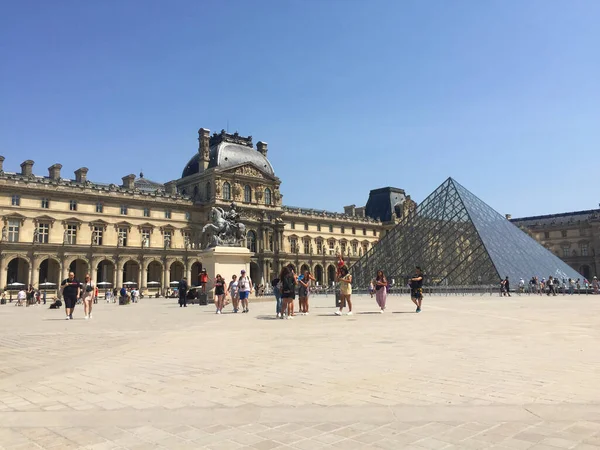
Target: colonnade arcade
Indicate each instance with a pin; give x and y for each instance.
(154, 272)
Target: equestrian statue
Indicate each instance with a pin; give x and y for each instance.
(224, 228)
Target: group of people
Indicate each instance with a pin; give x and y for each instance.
(380, 286)
(551, 286)
(72, 290)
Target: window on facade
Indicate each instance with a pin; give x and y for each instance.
(99, 208)
(318, 227)
(343, 229)
(123, 237)
(306, 227)
(374, 232)
(293, 225)
(331, 247)
(331, 228)
(584, 250)
(167, 238)
(546, 235)
(98, 235)
(45, 203)
(146, 212)
(353, 230)
(293, 245)
(319, 247)
(365, 248)
(564, 233)
(565, 252)
(43, 230)
(14, 227)
(71, 234)
(167, 214)
(306, 246)
(251, 241)
(124, 210)
(354, 248)
(208, 191)
(188, 215)
(247, 194)
(226, 191)
(73, 205)
(16, 200)
(187, 238)
(343, 248)
(364, 231)
(271, 241)
(146, 237)
(268, 196)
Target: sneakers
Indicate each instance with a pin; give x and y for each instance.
(218, 311)
(235, 311)
(306, 313)
(338, 313)
(68, 318)
(71, 316)
(290, 317)
(349, 313)
(381, 311)
(86, 317)
(90, 315)
(278, 315)
(418, 310)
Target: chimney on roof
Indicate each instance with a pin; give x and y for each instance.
(54, 172)
(350, 210)
(1, 163)
(171, 188)
(262, 148)
(204, 147)
(128, 181)
(81, 174)
(508, 216)
(27, 168)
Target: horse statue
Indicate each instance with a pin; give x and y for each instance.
(224, 228)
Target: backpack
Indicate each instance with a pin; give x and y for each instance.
(288, 285)
(275, 282)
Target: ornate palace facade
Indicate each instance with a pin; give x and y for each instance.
(150, 233)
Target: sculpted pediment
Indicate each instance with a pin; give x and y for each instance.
(249, 170)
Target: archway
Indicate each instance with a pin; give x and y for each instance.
(319, 273)
(303, 269)
(585, 271)
(255, 274)
(17, 271)
(49, 272)
(105, 272)
(196, 269)
(131, 271)
(176, 272)
(79, 267)
(331, 274)
(155, 272)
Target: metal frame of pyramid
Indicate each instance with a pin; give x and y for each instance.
(458, 240)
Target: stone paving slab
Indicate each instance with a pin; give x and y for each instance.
(467, 372)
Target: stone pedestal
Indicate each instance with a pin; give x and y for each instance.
(225, 261)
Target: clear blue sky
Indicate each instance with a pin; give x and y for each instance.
(351, 95)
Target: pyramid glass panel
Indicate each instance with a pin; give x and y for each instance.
(458, 240)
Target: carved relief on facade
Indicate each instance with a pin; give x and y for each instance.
(249, 171)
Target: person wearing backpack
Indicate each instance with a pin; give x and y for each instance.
(288, 288)
(244, 289)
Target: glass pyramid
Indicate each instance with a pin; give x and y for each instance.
(457, 239)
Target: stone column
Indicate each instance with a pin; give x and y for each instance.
(64, 269)
(2, 271)
(31, 271)
(165, 276)
(94, 271)
(36, 271)
(144, 274)
(119, 269)
(188, 272)
(139, 280)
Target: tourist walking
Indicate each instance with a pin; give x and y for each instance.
(87, 293)
(304, 292)
(288, 290)
(551, 287)
(233, 292)
(219, 293)
(182, 289)
(345, 280)
(416, 288)
(381, 290)
(21, 297)
(203, 280)
(277, 293)
(244, 288)
(71, 291)
(505, 288)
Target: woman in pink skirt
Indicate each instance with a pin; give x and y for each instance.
(381, 290)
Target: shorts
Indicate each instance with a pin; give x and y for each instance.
(70, 301)
(289, 295)
(244, 295)
(416, 293)
(303, 292)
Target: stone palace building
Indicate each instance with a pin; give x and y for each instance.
(150, 233)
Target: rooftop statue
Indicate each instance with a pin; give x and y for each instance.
(224, 228)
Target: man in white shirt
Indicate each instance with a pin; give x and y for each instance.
(244, 289)
(21, 297)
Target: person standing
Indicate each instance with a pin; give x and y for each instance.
(288, 290)
(182, 288)
(219, 293)
(88, 294)
(505, 287)
(304, 292)
(30, 295)
(244, 288)
(203, 280)
(381, 284)
(345, 280)
(21, 297)
(277, 293)
(416, 288)
(71, 291)
(551, 287)
(233, 292)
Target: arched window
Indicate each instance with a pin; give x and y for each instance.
(208, 193)
(267, 196)
(226, 191)
(247, 194)
(251, 241)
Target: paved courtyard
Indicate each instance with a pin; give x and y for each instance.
(467, 372)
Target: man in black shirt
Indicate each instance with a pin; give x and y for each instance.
(416, 288)
(71, 289)
(182, 288)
